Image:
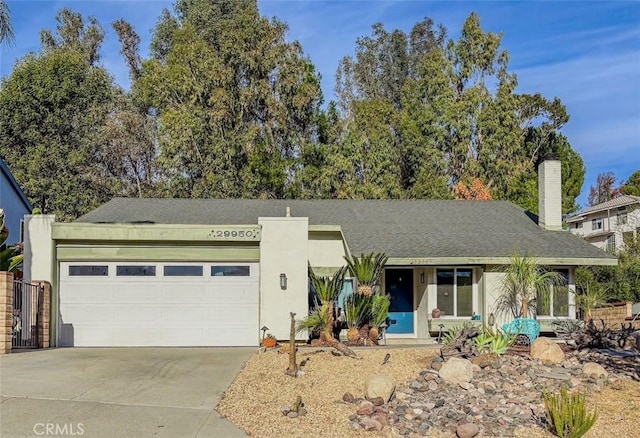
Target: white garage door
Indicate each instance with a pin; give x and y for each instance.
(158, 304)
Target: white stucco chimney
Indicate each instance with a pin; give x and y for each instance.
(550, 195)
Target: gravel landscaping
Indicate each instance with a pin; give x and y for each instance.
(503, 398)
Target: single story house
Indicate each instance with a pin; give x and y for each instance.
(14, 202)
(202, 272)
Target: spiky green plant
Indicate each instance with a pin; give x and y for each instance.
(483, 340)
(356, 310)
(316, 322)
(525, 280)
(327, 290)
(367, 269)
(567, 415)
(380, 309)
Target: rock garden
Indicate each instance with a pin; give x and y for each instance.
(483, 381)
(418, 392)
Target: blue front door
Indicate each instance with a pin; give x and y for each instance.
(398, 283)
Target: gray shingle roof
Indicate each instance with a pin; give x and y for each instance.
(400, 228)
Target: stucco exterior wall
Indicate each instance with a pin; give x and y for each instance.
(612, 224)
(39, 248)
(326, 249)
(492, 283)
(284, 249)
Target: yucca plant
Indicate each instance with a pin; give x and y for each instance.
(367, 269)
(525, 280)
(567, 415)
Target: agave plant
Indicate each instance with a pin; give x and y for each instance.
(367, 269)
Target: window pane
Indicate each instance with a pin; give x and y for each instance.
(136, 271)
(543, 303)
(94, 271)
(183, 271)
(230, 271)
(464, 291)
(561, 301)
(445, 291)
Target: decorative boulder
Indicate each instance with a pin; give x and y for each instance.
(456, 371)
(467, 430)
(546, 350)
(379, 385)
(591, 368)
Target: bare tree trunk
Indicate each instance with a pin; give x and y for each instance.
(293, 366)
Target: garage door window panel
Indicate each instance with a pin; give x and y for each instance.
(230, 271)
(135, 271)
(88, 271)
(183, 271)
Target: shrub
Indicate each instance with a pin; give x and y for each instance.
(567, 414)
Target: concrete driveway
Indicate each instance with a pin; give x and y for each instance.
(114, 392)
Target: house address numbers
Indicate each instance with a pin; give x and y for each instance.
(231, 233)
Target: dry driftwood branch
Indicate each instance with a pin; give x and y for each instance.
(293, 366)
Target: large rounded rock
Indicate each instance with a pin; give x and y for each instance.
(591, 368)
(467, 430)
(379, 385)
(546, 350)
(456, 371)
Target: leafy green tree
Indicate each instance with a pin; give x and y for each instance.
(632, 185)
(6, 29)
(236, 103)
(537, 144)
(50, 109)
(457, 118)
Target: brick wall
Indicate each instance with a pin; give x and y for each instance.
(6, 311)
(44, 316)
(615, 314)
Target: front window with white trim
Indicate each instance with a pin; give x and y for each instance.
(455, 292)
(555, 301)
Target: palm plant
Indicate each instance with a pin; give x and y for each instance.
(524, 281)
(356, 313)
(6, 30)
(379, 311)
(326, 290)
(592, 297)
(367, 269)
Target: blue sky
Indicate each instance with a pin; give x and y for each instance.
(584, 52)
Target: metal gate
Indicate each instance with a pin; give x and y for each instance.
(27, 306)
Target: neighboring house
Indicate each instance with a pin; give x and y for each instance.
(193, 272)
(606, 225)
(14, 202)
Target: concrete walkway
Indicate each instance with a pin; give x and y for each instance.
(117, 392)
